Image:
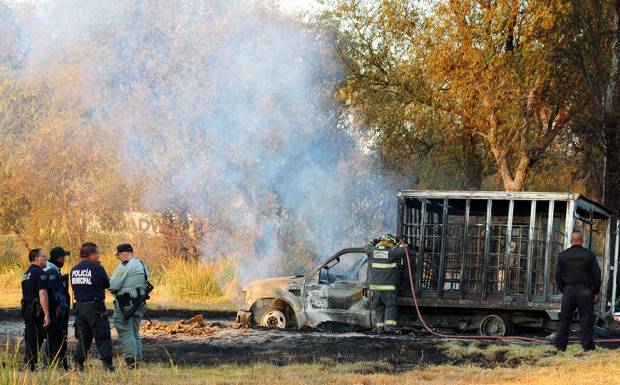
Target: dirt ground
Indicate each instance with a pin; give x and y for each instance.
(217, 340)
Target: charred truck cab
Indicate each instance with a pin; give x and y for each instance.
(335, 292)
(482, 261)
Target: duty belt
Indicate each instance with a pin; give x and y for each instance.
(88, 303)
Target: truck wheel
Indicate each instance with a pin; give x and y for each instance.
(273, 318)
(494, 325)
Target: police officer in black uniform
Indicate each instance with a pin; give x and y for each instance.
(578, 276)
(57, 332)
(89, 281)
(35, 306)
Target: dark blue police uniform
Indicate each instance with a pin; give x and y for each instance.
(57, 331)
(578, 276)
(89, 281)
(33, 280)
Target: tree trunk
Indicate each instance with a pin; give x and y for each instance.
(512, 180)
(611, 192)
(474, 166)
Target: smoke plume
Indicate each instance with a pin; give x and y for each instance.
(223, 109)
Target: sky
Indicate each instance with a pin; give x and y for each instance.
(300, 6)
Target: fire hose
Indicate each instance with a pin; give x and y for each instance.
(470, 337)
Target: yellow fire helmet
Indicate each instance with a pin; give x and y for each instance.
(388, 240)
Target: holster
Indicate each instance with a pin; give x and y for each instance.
(123, 300)
(100, 306)
(32, 311)
(137, 301)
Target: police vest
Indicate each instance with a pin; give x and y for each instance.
(577, 265)
(384, 267)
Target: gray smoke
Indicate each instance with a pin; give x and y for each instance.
(227, 108)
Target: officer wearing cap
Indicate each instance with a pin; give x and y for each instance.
(89, 281)
(35, 306)
(128, 283)
(57, 331)
(385, 260)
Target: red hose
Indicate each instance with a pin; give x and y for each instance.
(470, 337)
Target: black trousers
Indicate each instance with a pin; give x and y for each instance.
(576, 297)
(34, 335)
(57, 340)
(91, 321)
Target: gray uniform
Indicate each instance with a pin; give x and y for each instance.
(127, 282)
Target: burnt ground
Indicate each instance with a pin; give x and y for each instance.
(287, 347)
(225, 343)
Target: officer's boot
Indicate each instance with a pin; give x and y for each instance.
(30, 365)
(109, 366)
(378, 330)
(132, 363)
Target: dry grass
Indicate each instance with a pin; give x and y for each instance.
(195, 282)
(10, 298)
(178, 284)
(564, 369)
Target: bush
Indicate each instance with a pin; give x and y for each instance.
(12, 264)
(174, 279)
(191, 280)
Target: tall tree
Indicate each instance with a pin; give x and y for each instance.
(491, 71)
(59, 170)
(595, 58)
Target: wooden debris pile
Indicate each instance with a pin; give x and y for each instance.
(195, 326)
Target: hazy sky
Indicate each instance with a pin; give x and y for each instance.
(300, 5)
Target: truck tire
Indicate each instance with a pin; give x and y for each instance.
(495, 325)
(273, 318)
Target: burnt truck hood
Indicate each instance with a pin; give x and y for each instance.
(282, 283)
(285, 288)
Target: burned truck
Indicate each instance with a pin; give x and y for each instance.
(481, 261)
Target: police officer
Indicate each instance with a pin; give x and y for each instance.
(385, 260)
(57, 332)
(89, 281)
(578, 276)
(35, 306)
(128, 283)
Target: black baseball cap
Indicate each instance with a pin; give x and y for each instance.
(123, 247)
(58, 252)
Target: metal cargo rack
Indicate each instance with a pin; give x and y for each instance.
(498, 250)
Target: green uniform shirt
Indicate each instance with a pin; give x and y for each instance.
(128, 277)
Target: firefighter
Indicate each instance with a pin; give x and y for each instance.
(35, 306)
(578, 276)
(89, 281)
(385, 259)
(57, 332)
(128, 284)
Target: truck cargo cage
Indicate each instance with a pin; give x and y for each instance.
(500, 248)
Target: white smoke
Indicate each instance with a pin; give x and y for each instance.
(227, 110)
